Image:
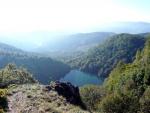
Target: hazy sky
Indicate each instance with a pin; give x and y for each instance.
(68, 15)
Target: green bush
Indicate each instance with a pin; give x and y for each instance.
(3, 100)
(91, 95)
(145, 101)
(115, 103)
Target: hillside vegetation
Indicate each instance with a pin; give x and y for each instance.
(43, 68)
(19, 92)
(127, 89)
(12, 75)
(103, 58)
(3, 100)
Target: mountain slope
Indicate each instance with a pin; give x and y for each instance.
(101, 59)
(44, 41)
(75, 42)
(8, 48)
(126, 27)
(131, 82)
(44, 69)
(126, 90)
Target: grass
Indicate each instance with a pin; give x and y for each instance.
(33, 98)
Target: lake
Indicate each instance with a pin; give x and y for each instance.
(80, 78)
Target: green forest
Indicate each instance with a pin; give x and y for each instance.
(103, 58)
(126, 90)
(123, 60)
(74, 56)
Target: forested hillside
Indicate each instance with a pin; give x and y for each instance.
(127, 89)
(102, 59)
(43, 68)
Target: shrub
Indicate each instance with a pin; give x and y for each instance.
(91, 95)
(3, 100)
(145, 101)
(13, 75)
(115, 103)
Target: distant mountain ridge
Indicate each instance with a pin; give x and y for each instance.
(126, 27)
(75, 42)
(45, 41)
(9, 48)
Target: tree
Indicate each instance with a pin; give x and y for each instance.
(3, 100)
(145, 101)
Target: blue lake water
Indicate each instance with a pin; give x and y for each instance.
(80, 78)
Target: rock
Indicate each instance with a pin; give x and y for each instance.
(67, 90)
(2, 85)
(47, 88)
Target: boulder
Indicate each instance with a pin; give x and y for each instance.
(68, 91)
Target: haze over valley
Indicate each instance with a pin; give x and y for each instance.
(75, 56)
(40, 41)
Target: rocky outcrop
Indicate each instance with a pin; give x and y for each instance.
(36, 98)
(68, 91)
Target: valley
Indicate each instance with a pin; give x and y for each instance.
(79, 78)
(98, 60)
(74, 56)
(99, 72)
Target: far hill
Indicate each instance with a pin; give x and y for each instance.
(75, 42)
(102, 59)
(125, 27)
(44, 41)
(5, 47)
(43, 68)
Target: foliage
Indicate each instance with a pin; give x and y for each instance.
(115, 103)
(145, 101)
(3, 100)
(131, 80)
(127, 89)
(13, 75)
(103, 58)
(90, 95)
(43, 68)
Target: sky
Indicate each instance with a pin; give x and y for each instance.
(30, 24)
(68, 15)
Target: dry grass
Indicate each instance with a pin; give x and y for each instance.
(34, 99)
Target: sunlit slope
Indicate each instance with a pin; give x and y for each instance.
(102, 59)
